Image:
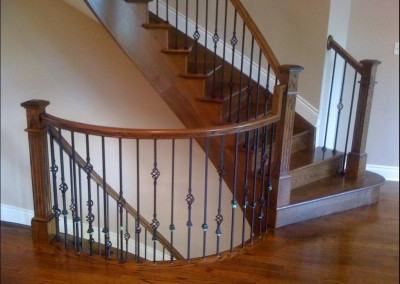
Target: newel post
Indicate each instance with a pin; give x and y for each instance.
(43, 222)
(357, 158)
(282, 181)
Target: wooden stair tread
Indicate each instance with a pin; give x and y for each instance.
(333, 185)
(157, 26)
(308, 157)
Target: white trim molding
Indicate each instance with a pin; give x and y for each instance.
(389, 173)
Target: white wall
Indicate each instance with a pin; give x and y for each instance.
(51, 51)
(373, 30)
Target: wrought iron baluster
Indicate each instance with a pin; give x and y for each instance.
(264, 157)
(234, 200)
(249, 85)
(258, 84)
(254, 203)
(234, 42)
(196, 37)
(72, 205)
(206, 40)
(330, 102)
(205, 225)
(106, 231)
(349, 123)
(186, 25)
(138, 229)
(340, 107)
(246, 188)
(190, 198)
(215, 40)
(54, 170)
(176, 23)
(90, 217)
(98, 219)
(155, 174)
(127, 236)
(80, 206)
(157, 14)
(145, 243)
(221, 173)
(121, 202)
(167, 12)
(172, 225)
(63, 189)
(224, 51)
(241, 72)
(76, 218)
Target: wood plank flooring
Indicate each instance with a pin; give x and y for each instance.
(357, 246)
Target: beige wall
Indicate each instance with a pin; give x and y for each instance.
(373, 30)
(296, 31)
(51, 51)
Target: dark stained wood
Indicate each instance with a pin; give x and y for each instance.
(328, 196)
(332, 44)
(358, 246)
(283, 140)
(308, 166)
(357, 158)
(43, 222)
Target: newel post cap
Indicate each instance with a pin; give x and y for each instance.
(35, 104)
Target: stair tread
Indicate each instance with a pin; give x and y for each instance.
(308, 157)
(333, 185)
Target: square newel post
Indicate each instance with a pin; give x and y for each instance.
(281, 179)
(357, 158)
(43, 222)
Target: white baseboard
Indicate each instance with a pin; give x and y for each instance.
(389, 173)
(307, 111)
(17, 215)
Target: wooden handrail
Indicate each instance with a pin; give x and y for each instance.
(162, 134)
(259, 38)
(332, 44)
(110, 191)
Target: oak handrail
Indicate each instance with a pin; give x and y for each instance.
(110, 191)
(332, 44)
(259, 38)
(162, 134)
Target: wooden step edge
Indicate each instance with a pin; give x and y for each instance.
(210, 100)
(200, 75)
(155, 26)
(355, 194)
(325, 159)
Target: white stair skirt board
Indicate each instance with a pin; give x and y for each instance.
(22, 216)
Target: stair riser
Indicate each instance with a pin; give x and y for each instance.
(317, 208)
(315, 172)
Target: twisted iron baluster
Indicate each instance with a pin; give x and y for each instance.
(106, 231)
(221, 172)
(172, 225)
(196, 37)
(215, 39)
(234, 42)
(249, 88)
(224, 51)
(189, 198)
(127, 236)
(155, 174)
(234, 200)
(76, 217)
(206, 41)
(205, 225)
(63, 189)
(138, 229)
(54, 170)
(121, 203)
(90, 217)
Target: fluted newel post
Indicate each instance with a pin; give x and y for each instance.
(357, 158)
(281, 179)
(43, 222)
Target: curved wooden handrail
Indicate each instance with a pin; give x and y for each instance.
(259, 38)
(110, 191)
(162, 134)
(332, 44)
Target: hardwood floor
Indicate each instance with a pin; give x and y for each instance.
(357, 246)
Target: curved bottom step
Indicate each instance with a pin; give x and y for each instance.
(327, 196)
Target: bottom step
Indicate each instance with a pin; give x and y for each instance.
(327, 196)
